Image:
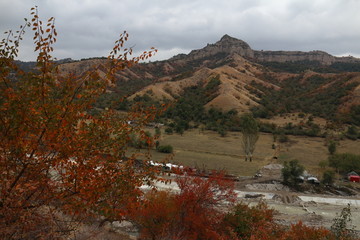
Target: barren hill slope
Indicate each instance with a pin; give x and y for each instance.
(246, 76)
(234, 90)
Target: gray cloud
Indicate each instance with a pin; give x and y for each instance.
(89, 28)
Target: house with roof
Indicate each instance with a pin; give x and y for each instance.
(353, 177)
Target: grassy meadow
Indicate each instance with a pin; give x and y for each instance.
(209, 150)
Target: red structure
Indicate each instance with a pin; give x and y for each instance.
(354, 178)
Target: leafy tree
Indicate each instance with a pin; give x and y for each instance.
(141, 140)
(332, 147)
(328, 177)
(250, 134)
(335, 162)
(169, 130)
(157, 132)
(193, 213)
(156, 215)
(179, 129)
(56, 160)
(295, 95)
(345, 162)
(291, 172)
(222, 132)
(323, 164)
(352, 132)
(300, 231)
(355, 114)
(246, 221)
(340, 226)
(257, 222)
(190, 214)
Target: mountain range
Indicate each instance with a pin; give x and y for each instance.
(248, 78)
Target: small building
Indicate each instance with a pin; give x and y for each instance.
(353, 177)
(313, 180)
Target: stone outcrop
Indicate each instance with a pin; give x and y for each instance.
(230, 45)
(227, 45)
(294, 56)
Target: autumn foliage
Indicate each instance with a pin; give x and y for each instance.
(192, 213)
(56, 159)
(60, 165)
(204, 208)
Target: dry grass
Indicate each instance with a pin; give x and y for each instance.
(208, 149)
(294, 119)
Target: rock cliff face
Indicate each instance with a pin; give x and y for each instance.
(226, 45)
(230, 45)
(294, 56)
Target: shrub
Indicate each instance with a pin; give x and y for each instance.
(332, 147)
(193, 214)
(291, 173)
(299, 231)
(340, 226)
(157, 132)
(179, 129)
(252, 222)
(283, 138)
(139, 141)
(352, 133)
(156, 215)
(328, 177)
(165, 149)
(190, 214)
(257, 222)
(301, 115)
(345, 162)
(222, 132)
(169, 130)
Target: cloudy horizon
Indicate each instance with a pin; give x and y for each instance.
(88, 28)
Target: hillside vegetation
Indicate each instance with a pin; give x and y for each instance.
(266, 83)
(70, 160)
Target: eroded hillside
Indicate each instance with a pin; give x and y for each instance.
(279, 81)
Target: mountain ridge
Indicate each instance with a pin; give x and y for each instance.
(228, 44)
(247, 78)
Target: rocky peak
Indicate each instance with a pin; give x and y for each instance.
(227, 45)
(228, 41)
(227, 37)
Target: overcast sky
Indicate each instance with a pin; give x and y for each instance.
(88, 28)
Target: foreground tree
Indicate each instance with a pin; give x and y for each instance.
(342, 225)
(250, 134)
(252, 222)
(58, 163)
(193, 213)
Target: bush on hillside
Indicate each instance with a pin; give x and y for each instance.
(165, 149)
(345, 162)
(328, 177)
(291, 173)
